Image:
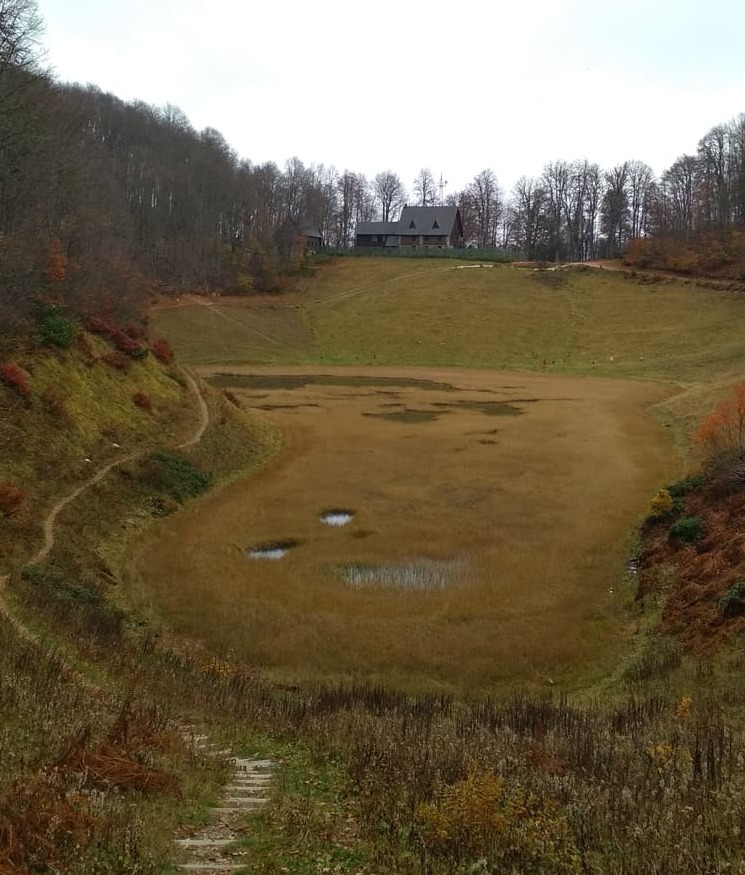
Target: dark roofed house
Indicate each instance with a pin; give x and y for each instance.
(435, 227)
(376, 234)
(313, 237)
(431, 226)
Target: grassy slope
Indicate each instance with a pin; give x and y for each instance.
(80, 408)
(111, 724)
(579, 321)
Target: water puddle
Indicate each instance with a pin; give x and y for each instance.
(297, 381)
(336, 517)
(271, 550)
(632, 567)
(409, 415)
(488, 408)
(418, 574)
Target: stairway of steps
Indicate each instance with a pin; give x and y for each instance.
(211, 848)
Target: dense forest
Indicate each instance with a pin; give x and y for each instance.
(103, 202)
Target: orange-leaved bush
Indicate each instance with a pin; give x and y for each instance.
(14, 376)
(723, 430)
(12, 498)
(143, 400)
(162, 350)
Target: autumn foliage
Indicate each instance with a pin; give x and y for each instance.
(14, 376)
(12, 497)
(143, 400)
(162, 350)
(722, 432)
(122, 341)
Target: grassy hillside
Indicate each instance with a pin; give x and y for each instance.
(578, 320)
(575, 321)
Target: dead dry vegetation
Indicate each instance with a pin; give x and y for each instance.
(487, 514)
(641, 772)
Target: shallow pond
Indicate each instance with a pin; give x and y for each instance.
(271, 550)
(417, 574)
(336, 517)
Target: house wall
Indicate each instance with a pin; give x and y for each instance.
(436, 240)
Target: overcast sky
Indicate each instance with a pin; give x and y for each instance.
(457, 86)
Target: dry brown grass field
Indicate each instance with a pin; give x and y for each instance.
(498, 502)
(520, 521)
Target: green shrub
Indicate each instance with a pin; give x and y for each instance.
(174, 475)
(55, 580)
(687, 529)
(55, 330)
(732, 603)
(686, 485)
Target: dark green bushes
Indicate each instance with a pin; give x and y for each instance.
(687, 529)
(55, 330)
(686, 485)
(174, 475)
(732, 603)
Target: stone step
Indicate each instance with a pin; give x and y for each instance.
(204, 843)
(251, 765)
(248, 801)
(211, 868)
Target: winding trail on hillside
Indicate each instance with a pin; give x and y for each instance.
(209, 848)
(51, 518)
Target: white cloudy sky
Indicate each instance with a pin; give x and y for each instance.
(456, 86)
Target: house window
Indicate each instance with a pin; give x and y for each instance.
(411, 224)
(435, 225)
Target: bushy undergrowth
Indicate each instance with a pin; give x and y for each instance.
(174, 475)
(56, 330)
(84, 778)
(687, 529)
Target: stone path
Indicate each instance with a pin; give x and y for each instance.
(210, 849)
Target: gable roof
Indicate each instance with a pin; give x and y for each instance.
(311, 231)
(377, 228)
(428, 221)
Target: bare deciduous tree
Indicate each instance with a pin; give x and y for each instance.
(390, 193)
(425, 188)
(486, 198)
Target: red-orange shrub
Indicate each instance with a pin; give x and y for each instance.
(121, 340)
(118, 360)
(162, 350)
(14, 376)
(143, 400)
(723, 430)
(12, 498)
